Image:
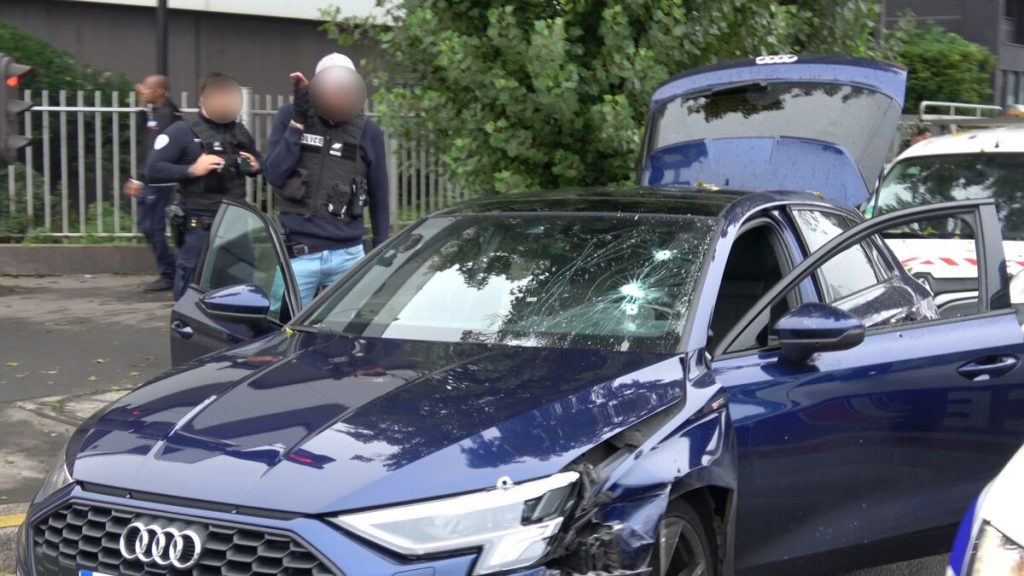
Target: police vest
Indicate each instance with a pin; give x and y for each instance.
(228, 183)
(329, 179)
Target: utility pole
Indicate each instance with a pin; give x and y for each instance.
(161, 37)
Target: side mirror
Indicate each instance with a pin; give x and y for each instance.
(814, 327)
(244, 303)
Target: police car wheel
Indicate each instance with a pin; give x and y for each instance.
(684, 546)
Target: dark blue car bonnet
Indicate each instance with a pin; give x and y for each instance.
(313, 423)
(828, 129)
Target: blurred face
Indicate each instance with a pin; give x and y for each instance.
(150, 91)
(222, 104)
(338, 93)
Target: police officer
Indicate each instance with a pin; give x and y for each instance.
(326, 161)
(209, 157)
(158, 113)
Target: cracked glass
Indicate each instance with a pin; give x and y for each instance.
(607, 282)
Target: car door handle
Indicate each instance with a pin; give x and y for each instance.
(181, 329)
(988, 367)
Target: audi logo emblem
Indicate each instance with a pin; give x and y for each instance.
(776, 59)
(152, 544)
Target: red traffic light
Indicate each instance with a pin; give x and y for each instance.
(12, 82)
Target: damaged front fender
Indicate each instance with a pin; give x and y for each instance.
(624, 497)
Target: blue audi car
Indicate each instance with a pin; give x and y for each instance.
(721, 370)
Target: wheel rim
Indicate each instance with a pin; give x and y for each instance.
(681, 551)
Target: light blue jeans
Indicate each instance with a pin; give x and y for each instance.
(320, 270)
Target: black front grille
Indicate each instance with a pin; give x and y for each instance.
(80, 535)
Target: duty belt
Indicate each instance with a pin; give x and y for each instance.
(197, 223)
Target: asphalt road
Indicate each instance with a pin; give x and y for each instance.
(68, 345)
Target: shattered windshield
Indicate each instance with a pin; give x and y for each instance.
(609, 282)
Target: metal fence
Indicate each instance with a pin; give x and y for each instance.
(85, 145)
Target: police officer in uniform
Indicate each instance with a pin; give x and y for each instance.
(326, 161)
(159, 113)
(209, 157)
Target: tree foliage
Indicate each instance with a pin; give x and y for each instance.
(944, 66)
(541, 93)
(55, 69)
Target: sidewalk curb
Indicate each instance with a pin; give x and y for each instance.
(69, 259)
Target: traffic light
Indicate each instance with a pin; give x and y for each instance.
(11, 137)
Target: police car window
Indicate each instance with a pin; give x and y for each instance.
(933, 179)
(850, 271)
(242, 252)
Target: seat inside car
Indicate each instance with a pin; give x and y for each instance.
(752, 268)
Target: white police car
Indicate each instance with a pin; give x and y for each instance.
(987, 163)
(990, 541)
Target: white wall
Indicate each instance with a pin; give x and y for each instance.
(300, 9)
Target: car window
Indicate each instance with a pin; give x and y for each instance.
(609, 282)
(847, 273)
(926, 180)
(242, 252)
(756, 262)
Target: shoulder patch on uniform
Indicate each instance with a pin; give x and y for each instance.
(161, 141)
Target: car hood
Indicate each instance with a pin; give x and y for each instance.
(821, 125)
(313, 423)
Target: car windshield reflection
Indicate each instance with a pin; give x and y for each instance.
(564, 281)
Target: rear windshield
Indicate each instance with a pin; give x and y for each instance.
(608, 282)
(849, 116)
(932, 179)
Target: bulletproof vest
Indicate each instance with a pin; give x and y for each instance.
(329, 179)
(228, 183)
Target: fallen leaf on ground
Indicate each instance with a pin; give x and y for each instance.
(92, 378)
(12, 364)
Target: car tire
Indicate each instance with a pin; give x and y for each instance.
(684, 548)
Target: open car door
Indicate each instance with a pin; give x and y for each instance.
(861, 428)
(244, 286)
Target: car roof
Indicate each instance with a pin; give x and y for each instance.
(1006, 139)
(676, 201)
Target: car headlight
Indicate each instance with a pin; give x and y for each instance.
(512, 525)
(996, 555)
(57, 478)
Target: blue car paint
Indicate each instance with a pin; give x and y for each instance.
(962, 542)
(878, 76)
(816, 320)
(378, 413)
(881, 447)
(244, 300)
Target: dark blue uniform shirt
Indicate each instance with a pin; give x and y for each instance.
(176, 149)
(283, 151)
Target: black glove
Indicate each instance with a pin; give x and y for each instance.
(300, 103)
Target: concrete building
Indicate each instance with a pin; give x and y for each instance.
(995, 24)
(258, 41)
